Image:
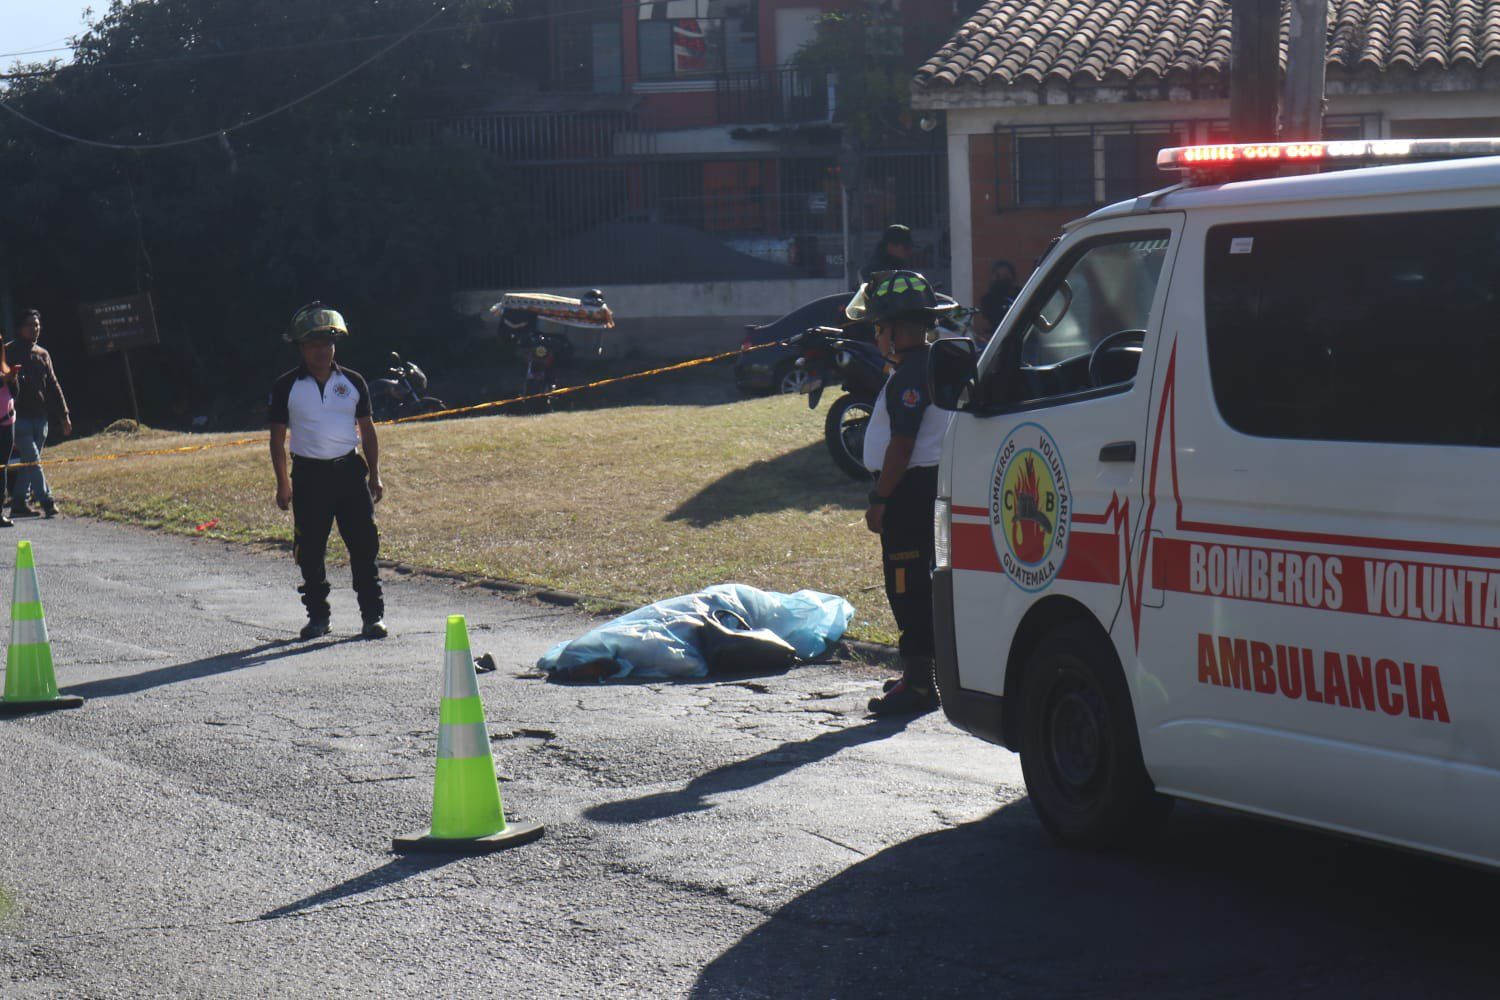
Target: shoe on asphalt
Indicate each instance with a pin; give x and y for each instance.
(49, 508)
(24, 511)
(904, 699)
(375, 629)
(316, 627)
(6, 522)
(890, 682)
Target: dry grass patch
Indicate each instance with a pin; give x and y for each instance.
(631, 504)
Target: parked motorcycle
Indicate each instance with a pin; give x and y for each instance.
(832, 356)
(399, 392)
(536, 324)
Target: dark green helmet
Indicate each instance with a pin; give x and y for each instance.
(897, 295)
(313, 319)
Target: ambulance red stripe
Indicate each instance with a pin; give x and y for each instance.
(1092, 557)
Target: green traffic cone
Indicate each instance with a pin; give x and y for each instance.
(467, 815)
(30, 685)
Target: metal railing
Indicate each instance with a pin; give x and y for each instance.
(567, 137)
(785, 96)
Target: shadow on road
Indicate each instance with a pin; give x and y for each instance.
(742, 774)
(1224, 906)
(107, 687)
(805, 479)
(393, 871)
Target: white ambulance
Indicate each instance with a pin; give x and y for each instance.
(1219, 511)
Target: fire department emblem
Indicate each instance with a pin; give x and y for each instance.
(341, 390)
(1030, 507)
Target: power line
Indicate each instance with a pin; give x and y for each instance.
(216, 133)
(35, 52)
(331, 42)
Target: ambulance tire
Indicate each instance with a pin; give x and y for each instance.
(1080, 753)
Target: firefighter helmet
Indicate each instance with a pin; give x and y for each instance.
(313, 319)
(897, 295)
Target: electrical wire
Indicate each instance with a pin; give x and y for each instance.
(216, 133)
(37, 52)
(331, 42)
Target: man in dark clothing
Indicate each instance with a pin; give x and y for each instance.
(325, 409)
(891, 253)
(997, 298)
(903, 446)
(38, 395)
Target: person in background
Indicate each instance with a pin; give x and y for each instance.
(995, 302)
(37, 395)
(891, 253)
(7, 427)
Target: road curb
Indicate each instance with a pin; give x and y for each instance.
(873, 653)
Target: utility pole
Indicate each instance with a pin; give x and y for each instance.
(1254, 68)
(851, 182)
(1306, 64)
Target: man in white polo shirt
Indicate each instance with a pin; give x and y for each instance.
(326, 410)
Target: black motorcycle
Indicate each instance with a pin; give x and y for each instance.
(399, 392)
(850, 359)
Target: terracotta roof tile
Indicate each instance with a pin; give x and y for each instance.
(1027, 42)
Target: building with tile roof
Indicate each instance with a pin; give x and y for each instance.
(1056, 106)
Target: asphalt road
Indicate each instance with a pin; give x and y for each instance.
(216, 821)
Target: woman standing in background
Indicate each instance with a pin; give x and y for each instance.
(7, 427)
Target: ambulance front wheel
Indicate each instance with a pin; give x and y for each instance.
(1080, 753)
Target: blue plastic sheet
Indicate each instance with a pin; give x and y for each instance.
(661, 639)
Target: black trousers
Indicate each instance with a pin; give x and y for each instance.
(906, 548)
(324, 492)
(7, 445)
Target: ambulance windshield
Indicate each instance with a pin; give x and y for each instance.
(1107, 289)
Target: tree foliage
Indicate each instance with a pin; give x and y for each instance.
(862, 45)
(343, 197)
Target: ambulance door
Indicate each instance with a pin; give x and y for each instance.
(1326, 527)
(1049, 451)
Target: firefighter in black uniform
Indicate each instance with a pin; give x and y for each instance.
(891, 253)
(903, 445)
(326, 410)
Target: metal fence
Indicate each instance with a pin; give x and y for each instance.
(545, 138)
(598, 207)
(774, 97)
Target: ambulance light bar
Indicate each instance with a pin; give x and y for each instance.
(1342, 152)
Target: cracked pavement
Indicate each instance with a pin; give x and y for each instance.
(216, 821)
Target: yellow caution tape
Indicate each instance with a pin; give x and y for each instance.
(435, 415)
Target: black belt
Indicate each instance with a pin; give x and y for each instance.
(324, 461)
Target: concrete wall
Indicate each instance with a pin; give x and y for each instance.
(682, 320)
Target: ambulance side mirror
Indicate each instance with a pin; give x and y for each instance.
(952, 366)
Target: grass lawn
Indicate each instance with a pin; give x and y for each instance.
(631, 504)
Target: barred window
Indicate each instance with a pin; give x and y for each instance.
(1058, 166)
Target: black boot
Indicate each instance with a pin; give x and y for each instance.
(906, 698)
(317, 625)
(913, 694)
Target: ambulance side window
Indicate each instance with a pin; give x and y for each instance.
(1381, 328)
(1083, 330)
